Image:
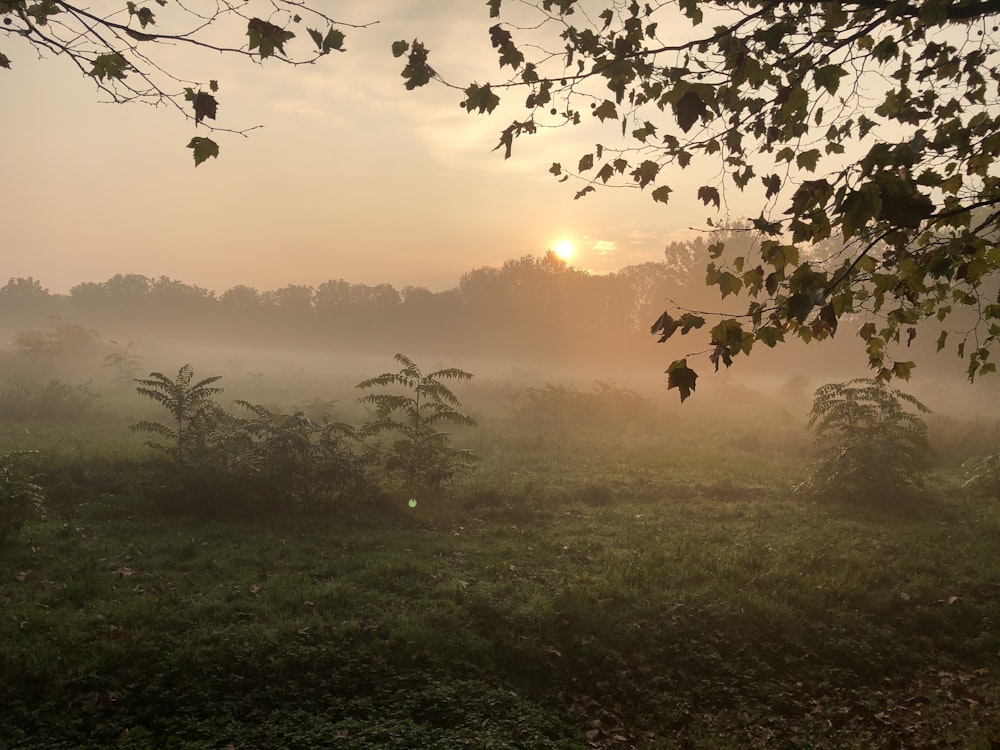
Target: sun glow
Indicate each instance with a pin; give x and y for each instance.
(564, 249)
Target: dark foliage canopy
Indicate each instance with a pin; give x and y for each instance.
(123, 50)
(867, 131)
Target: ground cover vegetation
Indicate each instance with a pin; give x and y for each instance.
(564, 591)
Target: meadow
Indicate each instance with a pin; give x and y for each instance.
(614, 571)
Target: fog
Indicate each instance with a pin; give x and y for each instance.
(534, 322)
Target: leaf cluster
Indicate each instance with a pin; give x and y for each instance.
(866, 131)
(122, 54)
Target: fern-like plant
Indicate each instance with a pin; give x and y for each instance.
(189, 403)
(422, 456)
(872, 441)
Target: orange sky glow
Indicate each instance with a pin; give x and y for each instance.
(351, 176)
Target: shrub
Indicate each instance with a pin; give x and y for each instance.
(54, 400)
(221, 462)
(310, 463)
(872, 441)
(422, 456)
(20, 497)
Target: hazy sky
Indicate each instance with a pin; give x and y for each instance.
(351, 176)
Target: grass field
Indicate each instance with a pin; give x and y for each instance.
(646, 586)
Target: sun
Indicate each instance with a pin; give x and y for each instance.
(564, 249)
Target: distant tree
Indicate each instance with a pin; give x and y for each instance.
(121, 49)
(239, 312)
(179, 307)
(22, 298)
(122, 297)
(869, 122)
(20, 288)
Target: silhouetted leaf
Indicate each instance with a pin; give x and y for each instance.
(681, 377)
(267, 38)
(662, 194)
(709, 194)
(689, 109)
(109, 66)
(204, 104)
(480, 99)
(798, 307)
(606, 111)
(203, 148)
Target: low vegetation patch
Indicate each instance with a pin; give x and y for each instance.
(565, 591)
(661, 618)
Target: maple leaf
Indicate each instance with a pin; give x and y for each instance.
(416, 72)
(203, 148)
(111, 65)
(265, 37)
(681, 377)
(645, 173)
(204, 104)
(721, 353)
(606, 111)
(480, 98)
(665, 325)
(662, 194)
(709, 194)
(799, 307)
(688, 109)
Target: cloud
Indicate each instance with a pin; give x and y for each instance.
(604, 247)
(644, 237)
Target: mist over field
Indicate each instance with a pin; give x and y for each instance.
(513, 534)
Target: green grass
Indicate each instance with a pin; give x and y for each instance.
(572, 591)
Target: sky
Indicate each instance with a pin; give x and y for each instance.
(350, 175)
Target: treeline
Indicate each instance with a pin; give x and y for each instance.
(531, 307)
(537, 309)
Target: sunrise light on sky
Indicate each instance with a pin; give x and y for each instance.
(351, 176)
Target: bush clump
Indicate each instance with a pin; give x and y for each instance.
(872, 442)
